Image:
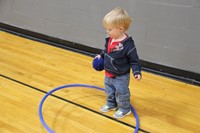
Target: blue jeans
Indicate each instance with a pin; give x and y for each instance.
(118, 93)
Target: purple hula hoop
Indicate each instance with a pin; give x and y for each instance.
(76, 85)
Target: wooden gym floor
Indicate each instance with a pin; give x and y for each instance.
(29, 69)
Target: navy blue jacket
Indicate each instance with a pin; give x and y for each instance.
(122, 58)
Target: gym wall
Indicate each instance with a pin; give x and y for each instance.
(166, 32)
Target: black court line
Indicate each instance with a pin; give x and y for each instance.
(81, 106)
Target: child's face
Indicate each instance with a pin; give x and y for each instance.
(115, 32)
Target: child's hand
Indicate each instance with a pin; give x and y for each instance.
(138, 77)
(98, 56)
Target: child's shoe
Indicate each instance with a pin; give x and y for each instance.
(120, 114)
(106, 108)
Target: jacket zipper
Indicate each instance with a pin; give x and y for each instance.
(111, 62)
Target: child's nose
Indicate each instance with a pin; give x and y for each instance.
(107, 31)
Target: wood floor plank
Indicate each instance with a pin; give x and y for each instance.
(164, 105)
(19, 109)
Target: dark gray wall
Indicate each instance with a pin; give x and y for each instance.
(166, 32)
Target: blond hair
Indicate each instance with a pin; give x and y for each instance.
(117, 18)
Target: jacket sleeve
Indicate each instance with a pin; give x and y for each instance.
(134, 60)
(102, 54)
(105, 48)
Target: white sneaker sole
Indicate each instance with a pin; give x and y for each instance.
(123, 115)
(108, 110)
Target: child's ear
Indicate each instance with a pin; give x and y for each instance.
(121, 28)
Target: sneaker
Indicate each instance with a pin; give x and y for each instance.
(106, 108)
(120, 114)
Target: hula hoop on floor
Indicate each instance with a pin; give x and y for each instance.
(76, 85)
